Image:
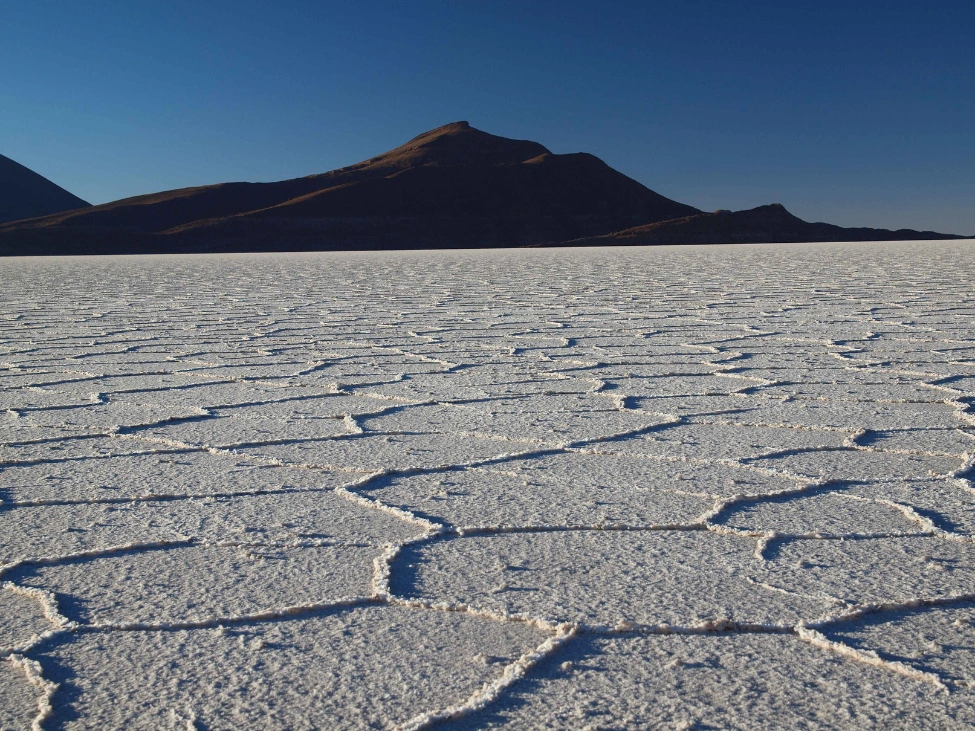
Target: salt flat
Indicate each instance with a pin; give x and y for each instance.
(692, 487)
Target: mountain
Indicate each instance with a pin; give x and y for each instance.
(25, 194)
(452, 186)
(763, 225)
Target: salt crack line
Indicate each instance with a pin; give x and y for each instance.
(400, 513)
(465, 531)
(163, 497)
(927, 525)
(858, 611)
(806, 487)
(36, 640)
(95, 553)
(383, 571)
(34, 674)
(867, 657)
(851, 440)
(493, 690)
(47, 600)
(705, 627)
(964, 476)
(539, 623)
(219, 622)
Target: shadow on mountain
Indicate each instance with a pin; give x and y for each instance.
(25, 194)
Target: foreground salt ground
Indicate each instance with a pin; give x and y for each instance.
(639, 488)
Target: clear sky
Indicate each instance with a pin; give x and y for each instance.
(855, 112)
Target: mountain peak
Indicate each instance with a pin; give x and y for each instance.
(773, 210)
(445, 129)
(458, 143)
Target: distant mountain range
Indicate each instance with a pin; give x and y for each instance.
(25, 194)
(451, 187)
(763, 225)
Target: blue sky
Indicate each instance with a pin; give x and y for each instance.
(857, 113)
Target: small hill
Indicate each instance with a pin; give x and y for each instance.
(25, 194)
(452, 186)
(763, 225)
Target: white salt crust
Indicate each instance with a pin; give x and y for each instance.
(505, 465)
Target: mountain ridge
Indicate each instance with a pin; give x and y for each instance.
(451, 187)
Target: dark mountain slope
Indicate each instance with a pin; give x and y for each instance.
(452, 186)
(25, 194)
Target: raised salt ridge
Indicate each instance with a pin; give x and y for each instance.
(590, 488)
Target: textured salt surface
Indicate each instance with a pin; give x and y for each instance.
(643, 488)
